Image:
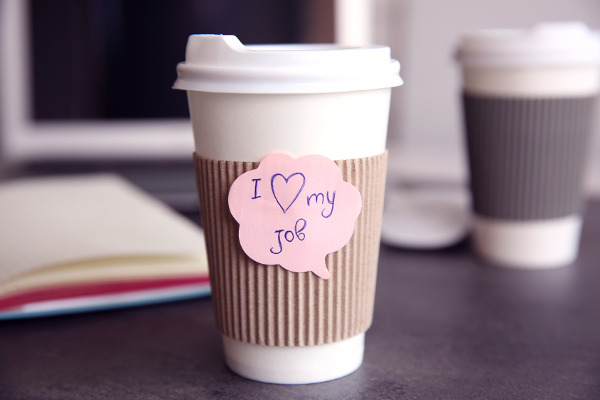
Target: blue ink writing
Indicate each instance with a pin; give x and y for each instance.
(286, 205)
(278, 232)
(322, 197)
(289, 236)
(331, 203)
(315, 196)
(256, 196)
(298, 231)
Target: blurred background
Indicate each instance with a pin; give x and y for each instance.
(425, 122)
(86, 84)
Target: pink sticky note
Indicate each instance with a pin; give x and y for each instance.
(293, 212)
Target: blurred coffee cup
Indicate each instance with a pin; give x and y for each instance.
(529, 98)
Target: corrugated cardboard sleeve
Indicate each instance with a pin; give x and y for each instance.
(527, 156)
(269, 305)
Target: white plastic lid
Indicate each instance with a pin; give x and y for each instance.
(222, 64)
(559, 43)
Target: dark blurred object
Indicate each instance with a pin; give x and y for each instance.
(92, 90)
(116, 59)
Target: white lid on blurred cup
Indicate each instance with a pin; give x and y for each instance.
(222, 64)
(558, 43)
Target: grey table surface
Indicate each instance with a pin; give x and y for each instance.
(445, 326)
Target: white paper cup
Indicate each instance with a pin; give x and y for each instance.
(249, 101)
(528, 100)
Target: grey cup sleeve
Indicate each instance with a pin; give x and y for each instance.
(527, 156)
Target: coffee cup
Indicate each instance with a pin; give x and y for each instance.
(528, 99)
(248, 103)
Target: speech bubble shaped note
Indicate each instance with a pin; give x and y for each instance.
(293, 212)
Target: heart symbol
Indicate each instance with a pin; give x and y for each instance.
(287, 190)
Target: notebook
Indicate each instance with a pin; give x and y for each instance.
(93, 242)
